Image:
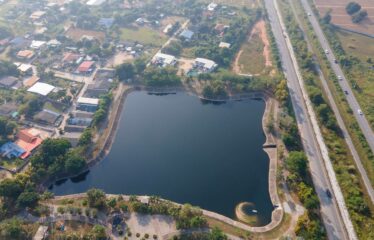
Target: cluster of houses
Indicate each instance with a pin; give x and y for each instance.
(28, 140)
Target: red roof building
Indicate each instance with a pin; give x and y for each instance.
(28, 142)
(86, 66)
(70, 57)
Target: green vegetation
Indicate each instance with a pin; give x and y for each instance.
(352, 8)
(174, 48)
(143, 35)
(252, 58)
(96, 198)
(160, 77)
(101, 113)
(215, 234)
(347, 175)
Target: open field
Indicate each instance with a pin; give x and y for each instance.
(237, 3)
(357, 45)
(254, 55)
(342, 19)
(143, 35)
(77, 34)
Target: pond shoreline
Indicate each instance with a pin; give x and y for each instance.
(106, 141)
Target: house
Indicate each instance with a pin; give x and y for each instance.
(106, 22)
(19, 42)
(204, 65)
(8, 109)
(28, 141)
(54, 43)
(99, 87)
(87, 104)
(81, 114)
(41, 234)
(70, 58)
(163, 60)
(95, 2)
(11, 150)
(47, 117)
(41, 88)
(31, 81)
(186, 34)
(9, 82)
(168, 28)
(25, 69)
(86, 67)
(25, 54)
(37, 44)
(212, 7)
(80, 121)
(37, 15)
(224, 45)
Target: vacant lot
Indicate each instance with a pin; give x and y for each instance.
(254, 55)
(77, 34)
(342, 19)
(357, 45)
(143, 35)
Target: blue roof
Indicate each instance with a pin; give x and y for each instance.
(186, 34)
(11, 150)
(106, 22)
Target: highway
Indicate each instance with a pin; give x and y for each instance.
(344, 84)
(334, 214)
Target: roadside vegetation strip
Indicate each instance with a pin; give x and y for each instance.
(321, 73)
(318, 135)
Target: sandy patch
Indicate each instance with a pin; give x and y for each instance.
(119, 58)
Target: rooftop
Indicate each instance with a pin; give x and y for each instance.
(8, 81)
(25, 54)
(37, 44)
(41, 88)
(85, 66)
(186, 34)
(31, 81)
(91, 101)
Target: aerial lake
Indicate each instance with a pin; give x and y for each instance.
(187, 151)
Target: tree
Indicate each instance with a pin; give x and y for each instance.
(28, 199)
(7, 127)
(158, 77)
(125, 71)
(296, 163)
(352, 8)
(86, 137)
(10, 188)
(140, 65)
(96, 198)
(74, 163)
(174, 48)
(99, 232)
(12, 229)
(217, 234)
(359, 16)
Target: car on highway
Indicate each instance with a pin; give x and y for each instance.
(340, 78)
(346, 92)
(335, 61)
(327, 51)
(309, 14)
(360, 112)
(328, 193)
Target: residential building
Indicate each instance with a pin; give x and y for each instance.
(37, 15)
(86, 67)
(25, 69)
(37, 44)
(186, 34)
(224, 45)
(98, 88)
(212, 7)
(95, 2)
(9, 82)
(87, 104)
(41, 88)
(28, 142)
(9, 109)
(161, 59)
(29, 82)
(48, 117)
(25, 54)
(204, 65)
(11, 150)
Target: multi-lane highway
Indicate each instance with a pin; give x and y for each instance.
(343, 82)
(335, 215)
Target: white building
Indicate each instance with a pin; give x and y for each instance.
(95, 2)
(37, 44)
(41, 88)
(212, 6)
(224, 45)
(164, 60)
(204, 65)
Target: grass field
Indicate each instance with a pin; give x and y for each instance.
(252, 59)
(357, 45)
(143, 35)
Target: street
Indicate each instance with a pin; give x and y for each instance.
(334, 216)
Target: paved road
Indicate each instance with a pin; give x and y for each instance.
(352, 101)
(331, 213)
(347, 137)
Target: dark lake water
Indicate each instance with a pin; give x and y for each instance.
(181, 149)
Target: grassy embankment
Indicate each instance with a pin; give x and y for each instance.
(357, 202)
